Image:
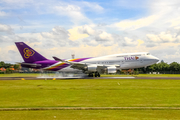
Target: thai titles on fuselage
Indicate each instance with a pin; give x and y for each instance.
(131, 58)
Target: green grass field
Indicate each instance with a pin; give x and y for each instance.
(90, 93)
(91, 115)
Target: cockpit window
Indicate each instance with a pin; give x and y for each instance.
(148, 53)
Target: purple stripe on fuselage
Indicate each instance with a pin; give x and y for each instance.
(66, 65)
(60, 67)
(47, 63)
(80, 59)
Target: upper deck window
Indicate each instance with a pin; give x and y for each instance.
(119, 56)
(122, 56)
(136, 55)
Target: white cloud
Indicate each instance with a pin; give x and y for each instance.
(160, 26)
(75, 34)
(175, 22)
(105, 36)
(149, 32)
(7, 55)
(72, 11)
(130, 42)
(2, 14)
(68, 8)
(162, 37)
(153, 38)
(163, 5)
(57, 33)
(135, 24)
(167, 37)
(168, 10)
(96, 36)
(87, 29)
(92, 6)
(140, 42)
(62, 8)
(6, 29)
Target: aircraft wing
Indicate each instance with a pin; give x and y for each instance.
(75, 65)
(83, 66)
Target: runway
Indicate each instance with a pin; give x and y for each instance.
(65, 78)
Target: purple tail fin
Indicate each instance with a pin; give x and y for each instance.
(28, 54)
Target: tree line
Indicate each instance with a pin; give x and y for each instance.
(9, 68)
(163, 67)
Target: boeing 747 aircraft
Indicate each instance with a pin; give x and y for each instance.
(90, 65)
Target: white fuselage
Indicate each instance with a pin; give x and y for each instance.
(124, 61)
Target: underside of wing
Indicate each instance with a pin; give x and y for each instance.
(30, 64)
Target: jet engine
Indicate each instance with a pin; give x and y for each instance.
(92, 68)
(112, 69)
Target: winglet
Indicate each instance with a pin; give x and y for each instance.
(57, 59)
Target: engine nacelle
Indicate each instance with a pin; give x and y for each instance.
(92, 68)
(112, 69)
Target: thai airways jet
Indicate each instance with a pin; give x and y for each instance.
(90, 65)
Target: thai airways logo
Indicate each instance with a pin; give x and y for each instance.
(131, 58)
(136, 57)
(28, 52)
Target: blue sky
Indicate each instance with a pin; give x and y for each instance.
(90, 28)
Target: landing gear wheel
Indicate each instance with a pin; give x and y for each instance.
(90, 75)
(97, 74)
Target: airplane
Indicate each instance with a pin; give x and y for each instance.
(90, 65)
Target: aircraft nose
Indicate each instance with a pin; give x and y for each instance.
(155, 59)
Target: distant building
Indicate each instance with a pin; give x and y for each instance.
(73, 56)
(2, 69)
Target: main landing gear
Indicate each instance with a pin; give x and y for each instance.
(96, 74)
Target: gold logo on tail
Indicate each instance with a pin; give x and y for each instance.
(28, 52)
